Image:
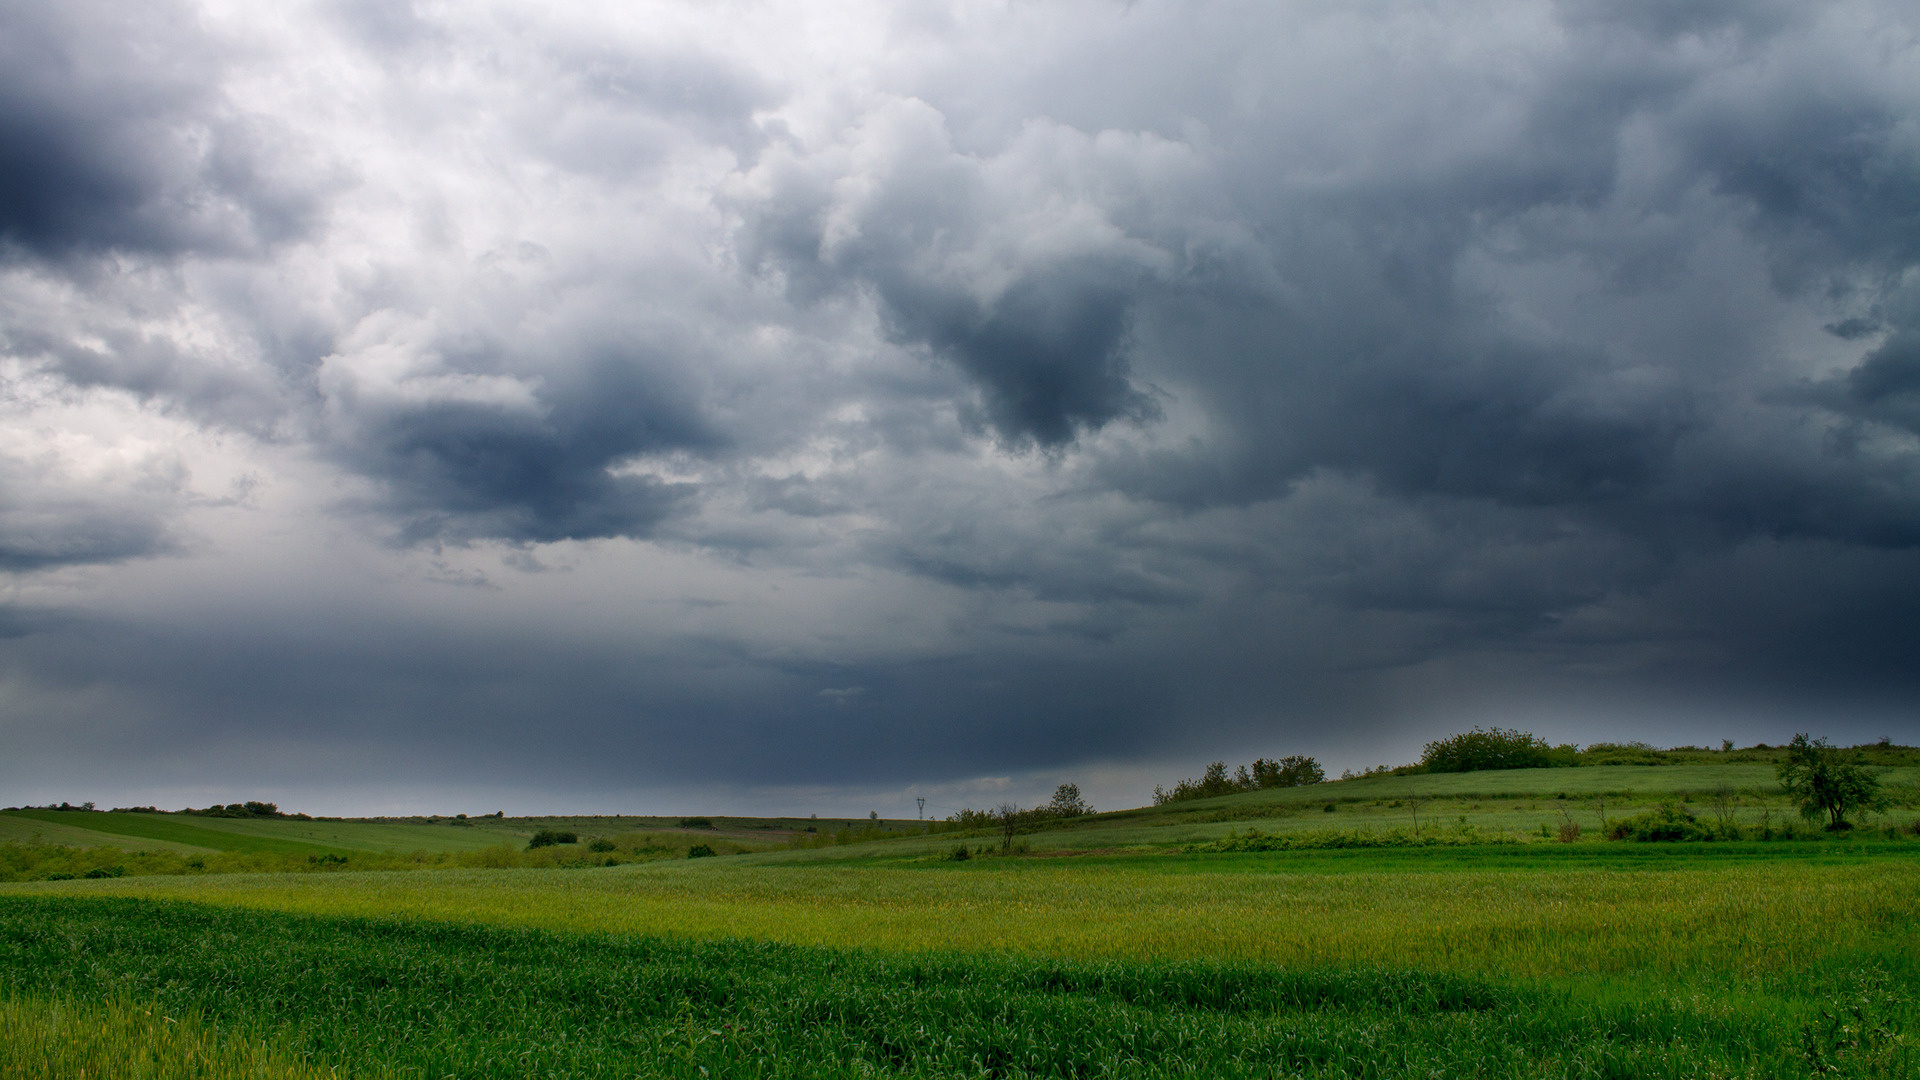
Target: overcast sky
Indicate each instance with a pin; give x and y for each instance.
(733, 407)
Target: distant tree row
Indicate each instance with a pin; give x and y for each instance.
(1504, 748)
(248, 809)
(1009, 820)
(1294, 770)
(231, 810)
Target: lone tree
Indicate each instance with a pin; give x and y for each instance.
(1822, 782)
(1067, 802)
(1011, 820)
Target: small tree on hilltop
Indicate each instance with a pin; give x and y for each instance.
(1215, 781)
(1011, 819)
(1067, 802)
(1820, 781)
(1298, 770)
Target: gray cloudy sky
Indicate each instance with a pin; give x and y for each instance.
(805, 407)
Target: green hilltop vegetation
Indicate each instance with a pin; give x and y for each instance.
(1616, 911)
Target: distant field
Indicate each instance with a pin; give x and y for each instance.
(185, 832)
(136, 830)
(1514, 805)
(18, 828)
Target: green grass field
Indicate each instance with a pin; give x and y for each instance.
(1102, 950)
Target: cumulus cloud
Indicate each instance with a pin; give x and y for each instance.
(990, 386)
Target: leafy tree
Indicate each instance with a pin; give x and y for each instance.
(1067, 802)
(1012, 819)
(1214, 781)
(1294, 770)
(1822, 782)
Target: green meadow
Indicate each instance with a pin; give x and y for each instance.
(1118, 945)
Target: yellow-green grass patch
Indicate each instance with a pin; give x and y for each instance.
(1734, 917)
(44, 1039)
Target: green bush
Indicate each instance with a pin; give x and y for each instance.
(695, 823)
(550, 837)
(1662, 823)
(701, 851)
(602, 845)
(1494, 748)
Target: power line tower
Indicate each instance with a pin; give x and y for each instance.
(923, 808)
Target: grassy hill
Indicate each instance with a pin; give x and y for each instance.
(1497, 805)
(1509, 805)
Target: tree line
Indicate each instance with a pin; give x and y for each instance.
(1294, 770)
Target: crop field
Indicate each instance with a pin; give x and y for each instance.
(192, 833)
(1103, 948)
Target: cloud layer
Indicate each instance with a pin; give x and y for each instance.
(820, 403)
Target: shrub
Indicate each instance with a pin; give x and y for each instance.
(550, 837)
(1569, 829)
(971, 820)
(602, 845)
(695, 823)
(105, 872)
(960, 854)
(1662, 823)
(701, 851)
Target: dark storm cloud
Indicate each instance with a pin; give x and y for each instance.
(535, 472)
(1039, 325)
(113, 136)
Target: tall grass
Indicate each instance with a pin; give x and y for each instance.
(436, 1000)
(63, 1039)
